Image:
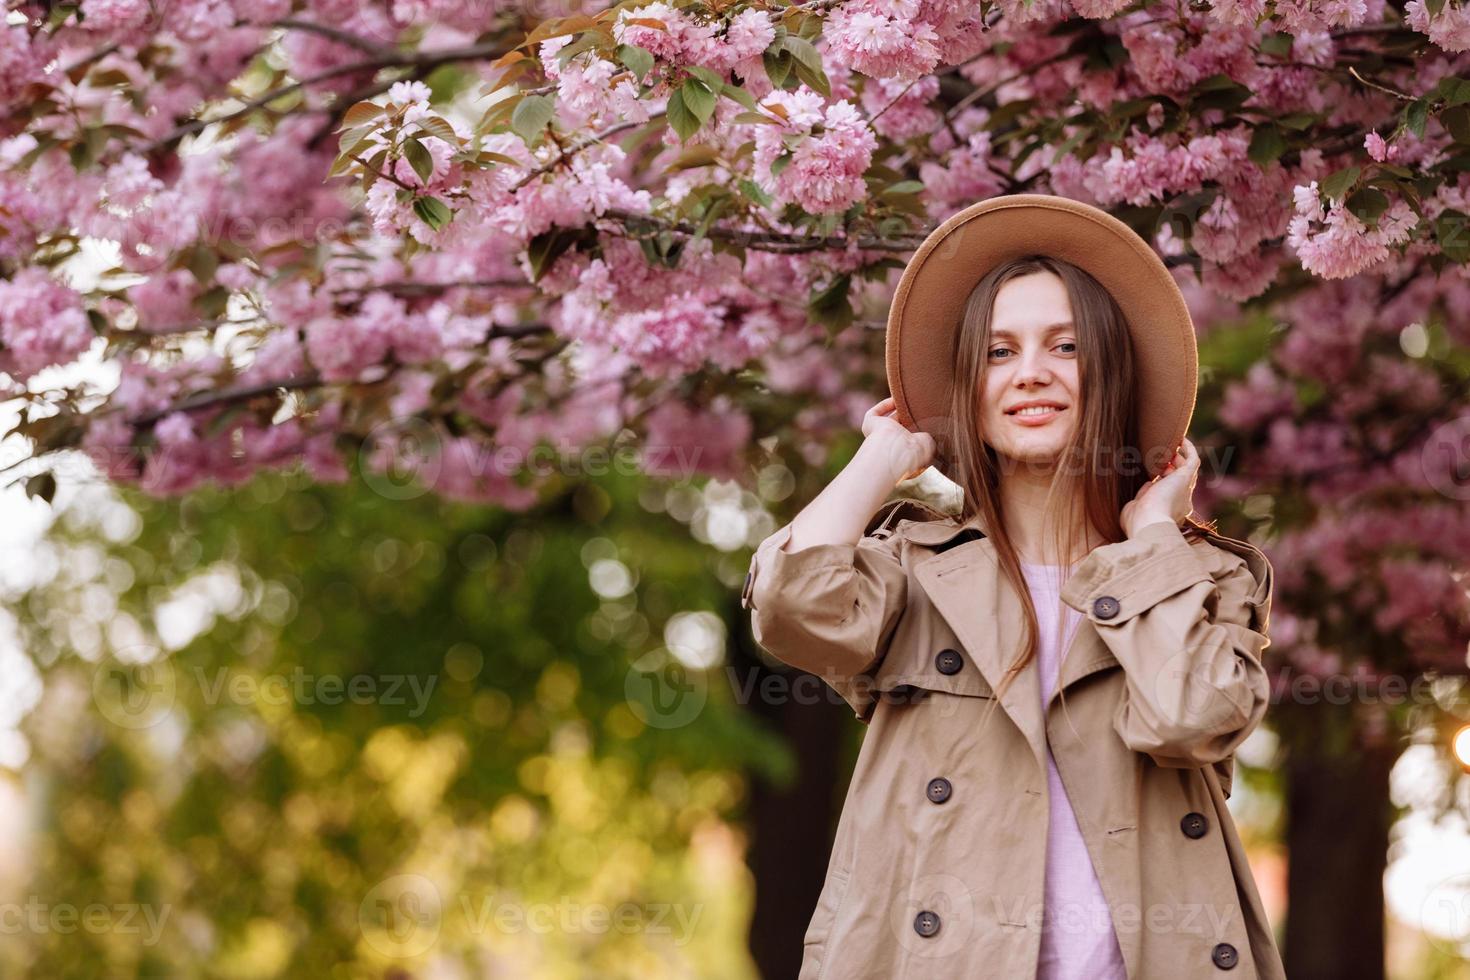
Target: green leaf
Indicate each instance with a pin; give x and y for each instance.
(712, 79)
(737, 94)
(432, 211)
(1267, 145)
(1298, 120)
(904, 187)
(808, 64)
(583, 43)
(778, 64)
(1278, 44)
(757, 118)
(1457, 121)
(780, 163)
(830, 305)
(698, 99)
(360, 114)
(435, 126)
(419, 158)
(531, 116)
(547, 247)
(1453, 89)
(343, 163)
(1337, 184)
(1416, 114)
(698, 155)
(637, 60)
(679, 116)
(753, 191)
(1450, 234)
(1368, 205)
(712, 212)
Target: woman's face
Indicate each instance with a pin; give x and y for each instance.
(1031, 357)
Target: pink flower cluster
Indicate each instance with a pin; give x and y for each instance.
(1450, 28)
(1335, 244)
(883, 39)
(686, 39)
(825, 171)
(41, 323)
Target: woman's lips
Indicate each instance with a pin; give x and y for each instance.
(1035, 419)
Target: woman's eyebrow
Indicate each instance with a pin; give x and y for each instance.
(1049, 328)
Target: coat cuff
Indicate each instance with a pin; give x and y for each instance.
(1118, 581)
(771, 559)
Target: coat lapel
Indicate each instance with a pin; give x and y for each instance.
(965, 584)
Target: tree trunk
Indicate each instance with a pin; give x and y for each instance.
(790, 825)
(1338, 814)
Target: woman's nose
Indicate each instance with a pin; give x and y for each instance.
(1031, 371)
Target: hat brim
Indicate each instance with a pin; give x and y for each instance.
(932, 291)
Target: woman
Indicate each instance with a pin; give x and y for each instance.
(1055, 681)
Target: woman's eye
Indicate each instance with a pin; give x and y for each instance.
(1069, 344)
(998, 350)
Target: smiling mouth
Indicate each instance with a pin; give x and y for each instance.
(1036, 413)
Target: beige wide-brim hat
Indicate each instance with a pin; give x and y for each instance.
(935, 285)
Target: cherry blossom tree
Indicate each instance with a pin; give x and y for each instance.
(461, 238)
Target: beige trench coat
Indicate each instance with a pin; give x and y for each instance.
(938, 863)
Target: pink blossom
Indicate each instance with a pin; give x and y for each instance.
(41, 323)
(900, 110)
(684, 441)
(341, 349)
(825, 172)
(21, 63)
(882, 40)
(1450, 28)
(1378, 149)
(1345, 246)
(166, 301)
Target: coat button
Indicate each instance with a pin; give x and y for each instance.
(948, 661)
(1225, 956)
(939, 790)
(1106, 607)
(1194, 825)
(926, 924)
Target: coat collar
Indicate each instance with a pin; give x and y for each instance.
(964, 582)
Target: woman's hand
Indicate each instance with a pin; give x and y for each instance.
(906, 452)
(1168, 496)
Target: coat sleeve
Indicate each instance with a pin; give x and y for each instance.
(829, 609)
(1188, 623)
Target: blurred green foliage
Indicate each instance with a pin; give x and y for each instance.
(395, 739)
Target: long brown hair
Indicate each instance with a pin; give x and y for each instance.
(1106, 382)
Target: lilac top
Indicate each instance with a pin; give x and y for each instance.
(1077, 937)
